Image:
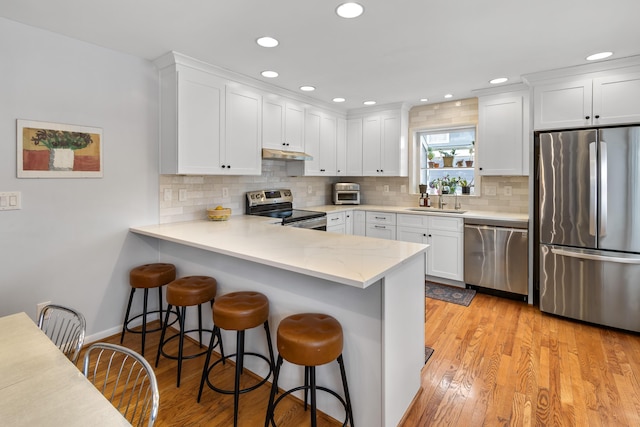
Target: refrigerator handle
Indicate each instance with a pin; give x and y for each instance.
(593, 187)
(595, 257)
(603, 189)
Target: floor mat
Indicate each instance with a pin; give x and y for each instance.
(428, 351)
(446, 293)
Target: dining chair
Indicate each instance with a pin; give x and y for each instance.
(126, 379)
(65, 327)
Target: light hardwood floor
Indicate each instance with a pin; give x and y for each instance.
(497, 362)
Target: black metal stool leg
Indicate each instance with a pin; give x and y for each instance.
(274, 390)
(160, 305)
(216, 333)
(144, 318)
(306, 386)
(200, 324)
(181, 342)
(126, 316)
(312, 375)
(164, 331)
(239, 366)
(343, 374)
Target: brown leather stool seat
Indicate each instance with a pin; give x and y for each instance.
(147, 276)
(238, 311)
(182, 293)
(310, 340)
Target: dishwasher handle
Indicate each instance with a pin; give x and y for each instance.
(494, 227)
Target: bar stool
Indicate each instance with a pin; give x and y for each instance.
(238, 311)
(182, 293)
(309, 340)
(147, 276)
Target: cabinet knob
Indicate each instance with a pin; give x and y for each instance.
(479, 168)
(425, 235)
(321, 170)
(597, 116)
(429, 235)
(587, 117)
(224, 166)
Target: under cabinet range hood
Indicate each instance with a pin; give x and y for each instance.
(274, 154)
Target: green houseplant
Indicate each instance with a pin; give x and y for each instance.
(447, 157)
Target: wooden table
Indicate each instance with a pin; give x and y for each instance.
(39, 386)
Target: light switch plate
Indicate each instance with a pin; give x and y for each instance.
(10, 200)
(508, 190)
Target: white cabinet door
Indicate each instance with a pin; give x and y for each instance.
(354, 147)
(328, 145)
(501, 141)
(282, 124)
(243, 142)
(348, 222)
(445, 254)
(192, 121)
(312, 121)
(341, 147)
(336, 222)
(359, 223)
(562, 105)
(371, 140)
(390, 144)
(616, 99)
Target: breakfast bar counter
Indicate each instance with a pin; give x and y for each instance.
(373, 287)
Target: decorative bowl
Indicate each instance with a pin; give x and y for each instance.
(217, 214)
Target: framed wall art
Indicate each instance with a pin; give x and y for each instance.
(55, 150)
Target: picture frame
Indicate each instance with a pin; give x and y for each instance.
(56, 150)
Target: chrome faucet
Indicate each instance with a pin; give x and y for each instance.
(441, 203)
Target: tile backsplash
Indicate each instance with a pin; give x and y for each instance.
(202, 192)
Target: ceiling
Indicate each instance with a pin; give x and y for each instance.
(397, 51)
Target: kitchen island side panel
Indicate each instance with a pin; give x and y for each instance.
(370, 363)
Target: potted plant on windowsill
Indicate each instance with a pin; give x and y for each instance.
(430, 157)
(447, 157)
(469, 162)
(466, 188)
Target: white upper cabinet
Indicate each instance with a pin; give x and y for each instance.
(282, 124)
(503, 134)
(587, 102)
(384, 143)
(341, 147)
(354, 147)
(209, 125)
(320, 142)
(241, 152)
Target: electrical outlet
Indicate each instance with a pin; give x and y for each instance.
(386, 188)
(225, 192)
(309, 189)
(490, 190)
(39, 308)
(508, 190)
(167, 194)
(182, 195)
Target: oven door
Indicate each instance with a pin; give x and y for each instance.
(346, 197)
(319, 223)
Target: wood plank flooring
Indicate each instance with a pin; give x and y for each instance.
(500, 362)
(497, 362)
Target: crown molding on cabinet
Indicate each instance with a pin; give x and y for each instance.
(620, 66)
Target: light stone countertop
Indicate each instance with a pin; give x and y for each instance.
(493, 215)
(350, 260)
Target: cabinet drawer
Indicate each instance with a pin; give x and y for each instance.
(383, 218)
(445, 223)
(412, 220)
(335, 218)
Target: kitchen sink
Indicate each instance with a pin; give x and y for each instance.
(436, 210)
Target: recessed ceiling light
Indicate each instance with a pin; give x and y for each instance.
(448, 96)
(267, 42)
(269, 74)
(600, 55)
(307, 88)
(424, 99)
(339, 99)
(369, 102)
(498, 80)
(349, 10)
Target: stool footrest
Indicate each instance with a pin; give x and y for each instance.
(159, 328)
(244, 390)
(308, 387)
(176, 336)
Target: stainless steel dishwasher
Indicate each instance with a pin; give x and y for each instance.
(496, 255)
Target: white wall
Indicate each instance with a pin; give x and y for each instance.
(69, 244)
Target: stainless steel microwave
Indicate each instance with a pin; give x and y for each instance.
(346, 193)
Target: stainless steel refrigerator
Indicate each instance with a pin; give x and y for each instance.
(589, 225)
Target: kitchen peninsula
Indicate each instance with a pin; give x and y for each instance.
(374, 287)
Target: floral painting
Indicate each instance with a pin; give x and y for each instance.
(54, 150)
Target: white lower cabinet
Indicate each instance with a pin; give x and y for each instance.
(359, 223)
(413, 228)
(336, 223)
(348, 222)
(381, 225)
(445, 257)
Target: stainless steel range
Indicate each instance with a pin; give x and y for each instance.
(279, 204)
